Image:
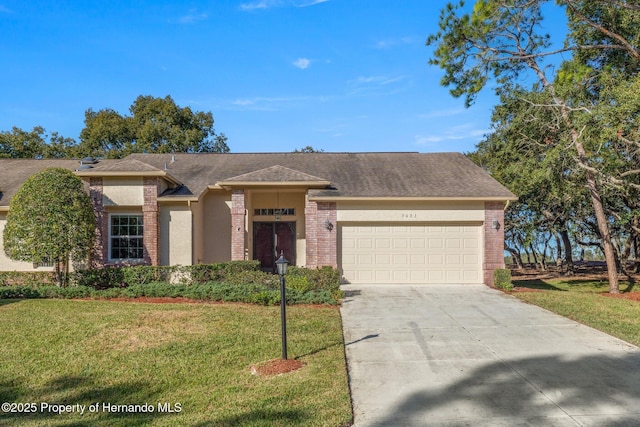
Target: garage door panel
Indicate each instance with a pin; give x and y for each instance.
(388, 253)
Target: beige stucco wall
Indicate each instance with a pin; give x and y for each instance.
(278, 199)
(212, 228)
(176, 236)
(7, 264)
(410, 211)
(122, 191)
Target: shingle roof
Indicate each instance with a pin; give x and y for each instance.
(428, 175)
(437, 175)
(275, 173)
(13, 172)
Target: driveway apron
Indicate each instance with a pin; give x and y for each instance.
(468, 355)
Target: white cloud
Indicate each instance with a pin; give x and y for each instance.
(268, 4)
(302, 63)
(442, 113)
(273, 103)
(389, 43)
(192, 17)
(377, 85)
(450, 135)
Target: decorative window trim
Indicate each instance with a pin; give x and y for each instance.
(139, 236)
(274, 212)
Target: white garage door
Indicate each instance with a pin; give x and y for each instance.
(391, 253)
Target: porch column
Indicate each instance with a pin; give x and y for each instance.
(311, 231)
(327, 234)
(493, 240)
(100, 251)
(322, 242)
(150, 218)
(237, 225)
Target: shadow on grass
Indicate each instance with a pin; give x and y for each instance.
(82, 392)
(536, 284)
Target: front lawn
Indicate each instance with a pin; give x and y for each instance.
(587, 302)
(192, 359)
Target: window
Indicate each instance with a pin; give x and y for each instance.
(126, 237)
(272, 212)
(47, 262)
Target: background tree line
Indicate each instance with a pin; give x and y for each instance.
(565, 135)
(155, 125)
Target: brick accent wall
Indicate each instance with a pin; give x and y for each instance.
(322, 244)
(238, 233)
(150, 218)
(493, 240)
(311, 232)
(99, 254)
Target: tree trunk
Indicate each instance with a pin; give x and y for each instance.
(566, 242)
(535, 257)
(603, 225)
(559, 248)
(516, 257)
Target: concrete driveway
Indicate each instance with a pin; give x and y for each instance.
(468, 355)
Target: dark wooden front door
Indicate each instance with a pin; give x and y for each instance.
(272, 238)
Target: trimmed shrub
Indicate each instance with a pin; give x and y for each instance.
(27, 278)
(502, 279)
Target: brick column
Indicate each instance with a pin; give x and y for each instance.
(493, 240)
(322, 243)
(150, 218)
(237, 225)
(100, 251)
(311, 230)
(327, 239)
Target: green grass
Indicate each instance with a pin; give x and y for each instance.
(582, 300)
(195, 355)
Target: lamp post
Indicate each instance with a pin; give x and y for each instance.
(282, 265)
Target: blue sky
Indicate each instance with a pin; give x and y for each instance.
(339, 75)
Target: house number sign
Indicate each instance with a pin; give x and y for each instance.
(408, 215)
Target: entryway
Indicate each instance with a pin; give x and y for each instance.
(272, 238)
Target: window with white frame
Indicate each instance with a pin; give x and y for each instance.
(125, 237)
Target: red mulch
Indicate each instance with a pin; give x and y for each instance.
(276, 367)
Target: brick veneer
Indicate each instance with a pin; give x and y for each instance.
(99, 253)
(150, 218)
(493, 240)
(322, 244)
(237, 225)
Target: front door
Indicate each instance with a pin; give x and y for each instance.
(272, 238)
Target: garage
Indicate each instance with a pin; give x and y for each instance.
(411, 253)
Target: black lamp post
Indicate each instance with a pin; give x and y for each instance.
(282, 265)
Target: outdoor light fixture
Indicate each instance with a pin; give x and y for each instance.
(281, 264)
(496, 224)
(328, 225)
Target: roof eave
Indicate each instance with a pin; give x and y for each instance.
(228, 185)
(100, 174)
(410, 198)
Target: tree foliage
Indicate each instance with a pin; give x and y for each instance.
(582, 112)
(156, 125)
(37, 144)
(50, 220)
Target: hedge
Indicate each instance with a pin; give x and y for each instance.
(237, 281)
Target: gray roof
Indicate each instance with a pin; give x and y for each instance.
(13, 172)
(437, 175)
(428, 175)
